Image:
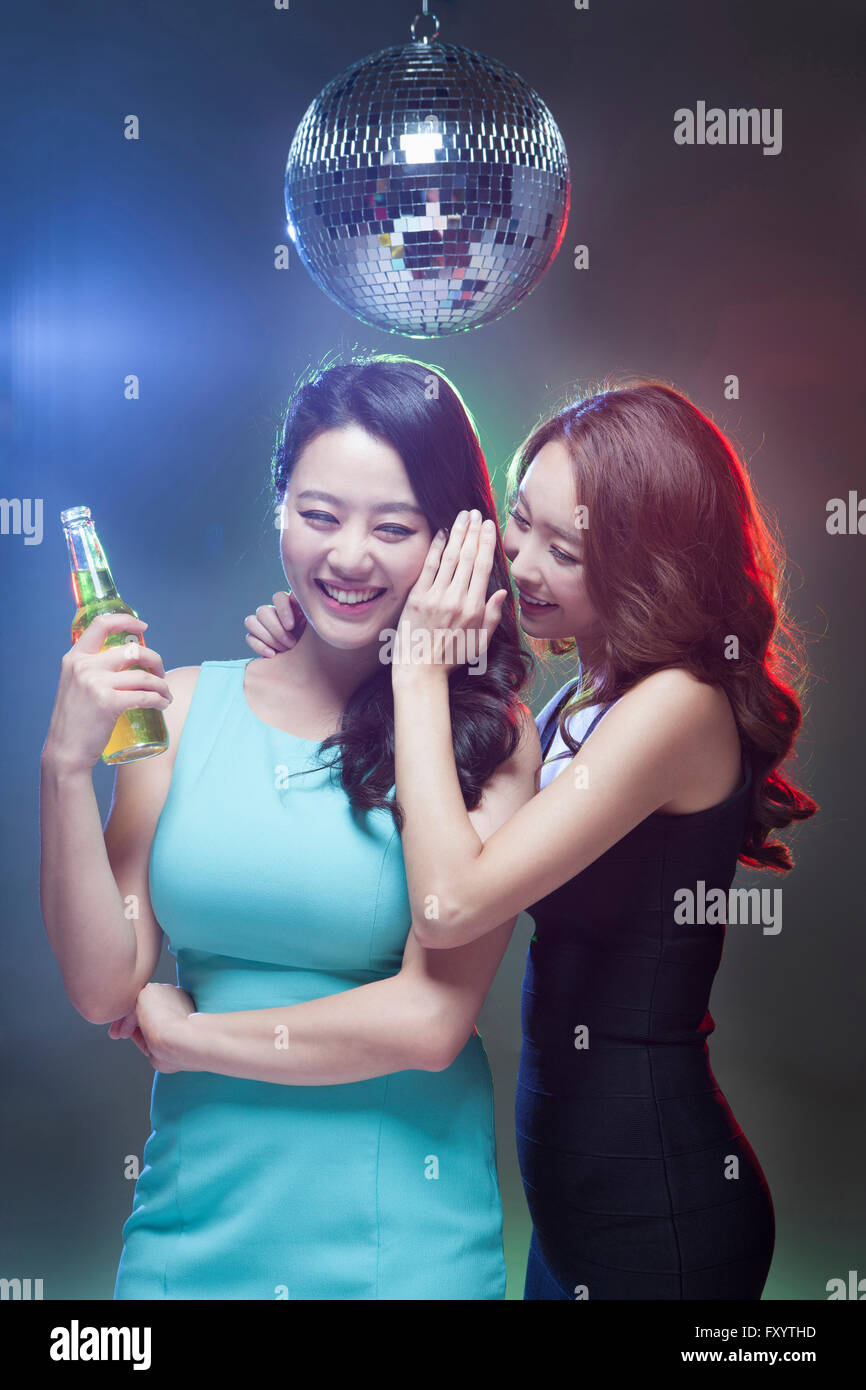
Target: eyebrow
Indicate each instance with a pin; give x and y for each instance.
(572, 536)
(379, 507)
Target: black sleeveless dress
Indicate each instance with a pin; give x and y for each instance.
(639, 1181)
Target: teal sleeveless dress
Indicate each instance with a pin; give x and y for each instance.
(271, 892)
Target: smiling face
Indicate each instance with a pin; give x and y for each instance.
(354, 538)
(546, 549)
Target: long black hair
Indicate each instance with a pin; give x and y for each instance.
(416, 409)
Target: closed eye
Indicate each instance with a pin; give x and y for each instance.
(392, 528)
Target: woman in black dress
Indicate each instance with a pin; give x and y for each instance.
(634, 535)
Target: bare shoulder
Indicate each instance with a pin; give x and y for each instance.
(695, 722)
(146, 781)
(676, 694)
(527, 750)
(181, 682)
(513, 782)
(526, 758)
(529, 740)
(677, 690)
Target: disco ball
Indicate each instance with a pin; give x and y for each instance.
(427, 189)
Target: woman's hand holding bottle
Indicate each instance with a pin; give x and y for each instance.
(97, 686)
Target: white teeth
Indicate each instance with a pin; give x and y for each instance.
(538, 603)
(349, 596)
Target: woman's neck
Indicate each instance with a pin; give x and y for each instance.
(328, 674)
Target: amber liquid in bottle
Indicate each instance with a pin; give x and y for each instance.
(138, 733)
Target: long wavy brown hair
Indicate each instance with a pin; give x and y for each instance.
(684, 567)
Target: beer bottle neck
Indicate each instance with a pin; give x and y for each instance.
(91, 576)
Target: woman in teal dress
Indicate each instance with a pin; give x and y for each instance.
(322, 1109)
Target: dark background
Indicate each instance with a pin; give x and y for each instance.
(156, 257)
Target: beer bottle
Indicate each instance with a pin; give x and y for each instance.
(138, 733)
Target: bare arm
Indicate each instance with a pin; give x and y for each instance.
(638, 759)
(93, 888)
(420, 1018)
(93, 940)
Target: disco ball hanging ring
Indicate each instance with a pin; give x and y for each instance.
(427, 189)
(435, 19)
